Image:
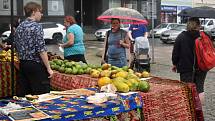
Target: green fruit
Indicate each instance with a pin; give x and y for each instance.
(74, 71)
(51, 63)
(125, 68)
(68, 70)
(144, 86)
(61, 69)
(80, 71)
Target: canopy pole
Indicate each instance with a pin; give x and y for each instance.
(12, 48)
(153, 38)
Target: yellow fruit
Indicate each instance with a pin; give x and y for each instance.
(104, 81)
(121, 86)
(95, 73)
(106, 66)
(145, 74)
(105, 73)
(122, 74)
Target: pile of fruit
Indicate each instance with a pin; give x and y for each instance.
(5, 56)
(124, 79)
(70, 67)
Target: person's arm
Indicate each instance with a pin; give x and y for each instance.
(103, 52)
(41, 49)
(70, 41)
(175, 53)
(146, 34)
(130, 36)
(126, 42)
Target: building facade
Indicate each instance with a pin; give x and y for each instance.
(198, 3)
(85, 11)
(171, 8)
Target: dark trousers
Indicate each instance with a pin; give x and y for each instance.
(199, 79)
(76, 58)
(33, 79)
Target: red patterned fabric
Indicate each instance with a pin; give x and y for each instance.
(6, 80)
(67, 82)
(167, 100)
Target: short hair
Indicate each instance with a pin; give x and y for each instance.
(30, 7)
(70, 19)
(112, 19)
(193, 24)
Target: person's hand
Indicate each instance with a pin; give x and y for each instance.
(103, 61)
(121, 42)
(174, 68)
(50, 71)
(60, 45)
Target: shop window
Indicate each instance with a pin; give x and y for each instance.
(5, 7)
(114, 3)
(55, 7)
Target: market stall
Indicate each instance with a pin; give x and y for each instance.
(123, 107)
(166, 100)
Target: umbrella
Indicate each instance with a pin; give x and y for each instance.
(200, 12)
(126, 15)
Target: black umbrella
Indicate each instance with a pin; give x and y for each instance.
(200, 12)
(126, 15)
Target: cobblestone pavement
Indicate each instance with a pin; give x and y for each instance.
(161, 68)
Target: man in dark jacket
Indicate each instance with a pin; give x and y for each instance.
(184, 58)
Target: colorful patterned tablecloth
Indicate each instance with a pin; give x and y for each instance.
(6, 79)
(67, 109)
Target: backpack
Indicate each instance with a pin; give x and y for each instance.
(205, 52)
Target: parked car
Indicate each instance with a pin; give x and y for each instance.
(212, 34)
(100, 33)
(207, 24)
(161, 28)
(52, 32)
(169, 36)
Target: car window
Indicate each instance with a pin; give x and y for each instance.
(203, 22)
(49, 25)
(161, 26)
(180, 27)
(210, 22)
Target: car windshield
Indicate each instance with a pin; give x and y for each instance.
(180, 27)
(161, 26)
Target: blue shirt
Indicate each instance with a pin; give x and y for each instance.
(29, 40)
(137, 30)
(78, 46)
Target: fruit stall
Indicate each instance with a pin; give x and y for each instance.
(121, 93)
(164, 99)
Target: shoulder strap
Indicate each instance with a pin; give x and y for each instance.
(106, 44)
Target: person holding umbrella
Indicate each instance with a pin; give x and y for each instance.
(184, 59)
(116, 43)
(35, 71)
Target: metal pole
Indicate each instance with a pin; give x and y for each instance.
(153, 38)
(82, 14)
(12, 48)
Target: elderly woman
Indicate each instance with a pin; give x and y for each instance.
(73, 45)
(183, 57)
(116, 42)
